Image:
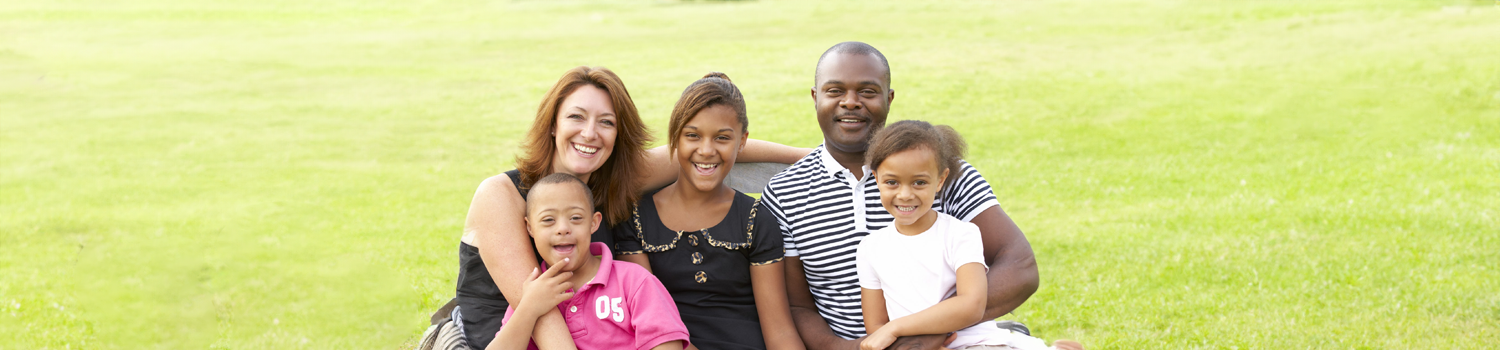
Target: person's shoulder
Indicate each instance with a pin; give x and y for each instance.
(798, 171)
(957, 226)
(498, 186)
(627, 271)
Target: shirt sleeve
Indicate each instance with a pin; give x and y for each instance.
(863, 262)
(656, 320)
(628, 236)
(770, 200)
(969, 195)
(965, 245)
(765, 234)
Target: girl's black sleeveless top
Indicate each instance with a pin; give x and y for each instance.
(481, 305)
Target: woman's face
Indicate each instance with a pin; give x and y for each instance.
(707, 147)
(585, 133)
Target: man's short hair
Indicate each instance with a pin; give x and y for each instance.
(853, 48)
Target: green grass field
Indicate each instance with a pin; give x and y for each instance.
(1191, 174)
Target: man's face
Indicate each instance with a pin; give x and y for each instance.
(852, 97)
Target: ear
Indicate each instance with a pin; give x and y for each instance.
(813, 92)
(890, 95)
(598, 218)
(943, 179)
(743, 139)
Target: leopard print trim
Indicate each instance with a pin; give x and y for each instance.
(767, 262)
(657, 248)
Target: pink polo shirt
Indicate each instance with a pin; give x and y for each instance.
(623, 307)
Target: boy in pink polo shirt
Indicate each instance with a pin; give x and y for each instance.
(618, 305)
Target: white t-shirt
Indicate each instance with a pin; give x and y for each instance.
(917, 272)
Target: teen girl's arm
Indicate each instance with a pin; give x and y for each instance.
(661, 167)
(671, 345)
(497, 223)
(959, 312)
(769, 283)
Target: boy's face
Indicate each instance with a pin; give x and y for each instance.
(909, 182)
(560, 220)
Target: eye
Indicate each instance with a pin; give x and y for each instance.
(920, 183)
(547, 220)
(577, 217)
(891, 183)
(690, 135)
(834, 91)
(575, 116)
(723, 138)
(608, 122)
(867, 92)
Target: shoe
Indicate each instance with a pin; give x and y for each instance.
(1014, 326)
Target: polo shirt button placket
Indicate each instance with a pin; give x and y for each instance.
(573, 308)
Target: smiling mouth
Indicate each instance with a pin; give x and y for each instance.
(850, 121)
(706, 168)
(586, 149)
(564, 248)
(906, 209)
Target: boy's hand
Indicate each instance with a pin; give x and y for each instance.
(879, 340)
(546, 289)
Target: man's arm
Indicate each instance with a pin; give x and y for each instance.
(1012, 276)
(815, 332)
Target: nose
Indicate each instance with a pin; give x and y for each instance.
(588, 133)
(850, 101)
(705, 147)
(904, 193)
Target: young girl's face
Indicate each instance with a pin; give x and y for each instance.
(707, 147)
(909, 181)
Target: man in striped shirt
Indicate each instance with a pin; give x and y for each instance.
(828, 201)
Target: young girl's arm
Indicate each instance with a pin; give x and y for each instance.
(769, 283)
(541, 293)
(959, 312)
(872, 302)
(661, 167)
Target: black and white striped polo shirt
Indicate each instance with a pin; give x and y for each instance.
(824, 212)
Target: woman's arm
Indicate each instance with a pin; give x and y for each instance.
(497, 220)
(661, 168)
(769, 284)
(959, 312)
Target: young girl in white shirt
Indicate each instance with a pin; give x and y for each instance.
(925, 273)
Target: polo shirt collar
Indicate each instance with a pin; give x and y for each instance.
(606, 262)
(832, 166)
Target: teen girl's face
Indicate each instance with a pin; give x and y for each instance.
(707, 147)
(585, 132)
(561, 221)
(909, 181)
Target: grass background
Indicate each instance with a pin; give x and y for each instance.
(1191, 174)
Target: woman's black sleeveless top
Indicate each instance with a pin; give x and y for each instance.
(480, 303)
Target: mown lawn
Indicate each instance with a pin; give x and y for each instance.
(1191, 174)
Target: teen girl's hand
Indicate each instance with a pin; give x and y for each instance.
(544, 290)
